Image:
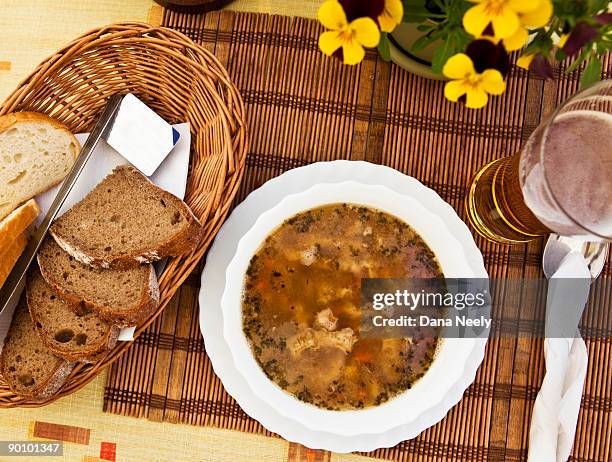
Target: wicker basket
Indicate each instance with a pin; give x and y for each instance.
(183, 83)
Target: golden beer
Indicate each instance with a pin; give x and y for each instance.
(496, 207)
(560, 182)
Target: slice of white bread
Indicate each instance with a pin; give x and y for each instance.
(16, 222)
(26, 364)
(9, 257)
(126, 221)
(36, 153)
(76, 337)
(122, 297)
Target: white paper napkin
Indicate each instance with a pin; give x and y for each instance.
(171, 176)
(555, 413)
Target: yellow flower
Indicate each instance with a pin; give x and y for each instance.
(562, 40)
(517, 40)
(466, 81)
(539, 16)
(525, 60)
(534, 19)
(392, 15)
(352, 37)
(503, 15)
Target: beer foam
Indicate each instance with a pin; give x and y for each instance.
(578, 168)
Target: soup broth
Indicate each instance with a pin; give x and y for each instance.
(301, 306)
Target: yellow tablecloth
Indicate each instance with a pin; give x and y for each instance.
(29, 32)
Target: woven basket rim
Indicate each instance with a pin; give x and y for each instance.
(233, 136)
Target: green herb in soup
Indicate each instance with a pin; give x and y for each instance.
(301, 309)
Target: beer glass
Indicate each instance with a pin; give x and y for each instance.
(561, 180)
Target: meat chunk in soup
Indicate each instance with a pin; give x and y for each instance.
(326, 319)
(308, 338)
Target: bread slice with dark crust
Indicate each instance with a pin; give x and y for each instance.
(121, 297)
(26, 364)
(76, 337)
(125, 221)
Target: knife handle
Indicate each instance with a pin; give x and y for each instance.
(9, 292)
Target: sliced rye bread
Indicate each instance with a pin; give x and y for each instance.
(76, 337)
(122, 297)
(126, 221)
(27, 365)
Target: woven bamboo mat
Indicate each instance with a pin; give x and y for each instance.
(304, 108)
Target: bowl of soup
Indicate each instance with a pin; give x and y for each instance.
(291, 308)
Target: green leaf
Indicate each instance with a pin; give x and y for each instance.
(560, 55)
(584, 55)
(420, 43)
(383, 47)
(418, 15)
(455, 9)
(571, 8)
(416, 11)
(424, 28)
(591, 73)
(442, 53)
(462, 38)
(599, 5)
(541, 43)
(603, 47)
(438, 34)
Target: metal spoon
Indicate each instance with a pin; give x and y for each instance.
(557, 247)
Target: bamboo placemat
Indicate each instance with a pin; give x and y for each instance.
(302, 108)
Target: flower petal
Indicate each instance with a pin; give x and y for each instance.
(386, 23)
(458, 66)
(604, 18)
(329, 42)
(581, 34)
(525, 61)
(493, 82)
(538, 17)
(541, 67)
(524, 6)
(391, 16)
(475, 20)
(505, 23)
(476, 98)
(365, 31)
(454, 90)
(331, 15)
(353, 52)
(485, 54)
(395, 9)
(517, 40)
